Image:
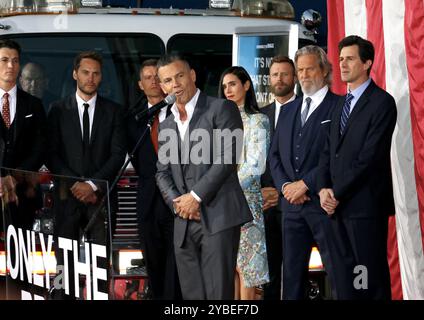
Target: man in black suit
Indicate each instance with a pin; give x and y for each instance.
(86, 140)
(34, 80)
(22, 128)
(200, 144)
(355, 176)
(155, 219)
(294, 155)
(282, 81)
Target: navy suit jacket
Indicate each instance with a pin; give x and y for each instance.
(281, 153)
(356, 165)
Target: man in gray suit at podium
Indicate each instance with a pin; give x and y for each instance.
(205, 195)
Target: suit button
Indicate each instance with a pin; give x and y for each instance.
(300, 134)
(337, 155)
(297, 170)
(297, 158)
(297, 146)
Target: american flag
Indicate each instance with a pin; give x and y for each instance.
(396, 28)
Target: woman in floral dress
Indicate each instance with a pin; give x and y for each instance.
(252, 263)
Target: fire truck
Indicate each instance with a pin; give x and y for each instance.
(51, 33)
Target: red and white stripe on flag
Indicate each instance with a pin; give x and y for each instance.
(396, 29)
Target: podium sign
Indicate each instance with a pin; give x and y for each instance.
(50, 252)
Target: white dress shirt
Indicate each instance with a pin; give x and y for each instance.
(183, 126)
(12, 102)
(278, 106)
(91, 108)
(189, 108)
(316, 98)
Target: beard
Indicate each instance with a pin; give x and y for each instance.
(87, 91)
(284, 90)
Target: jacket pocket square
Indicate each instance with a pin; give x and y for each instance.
(325, 121)
(29, 116)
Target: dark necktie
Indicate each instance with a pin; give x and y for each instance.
(86, 140)
(154, 132)
(6, 110)
(305, 111)
(345, 112)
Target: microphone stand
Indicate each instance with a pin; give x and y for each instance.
(113, 185)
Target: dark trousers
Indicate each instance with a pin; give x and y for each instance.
(300, 230)
(157, 238)
(206, 263)
(368, 241)
(274, 250)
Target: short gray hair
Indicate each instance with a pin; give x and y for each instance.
(323, 61)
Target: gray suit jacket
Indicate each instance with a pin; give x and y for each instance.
(214, 180)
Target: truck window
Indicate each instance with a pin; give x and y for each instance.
(209, 56)
(122, 57)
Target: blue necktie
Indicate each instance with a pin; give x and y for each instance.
(345, 112)
(305, 111)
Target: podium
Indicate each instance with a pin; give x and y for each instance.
(46, 255)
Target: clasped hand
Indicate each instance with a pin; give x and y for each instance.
(295, 192)
(328, 200)
(84, 192)
(187, 207)
(270, 197)
(8, 189)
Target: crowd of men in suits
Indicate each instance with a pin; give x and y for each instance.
(327, 181)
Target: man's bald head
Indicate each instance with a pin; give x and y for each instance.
(33, 79)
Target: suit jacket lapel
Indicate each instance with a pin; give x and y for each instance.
(288, 128)
(178, 165)
(97, 120)
(74, 115)
(21, 112)
(314, 122)
(271, 116)
(198, 111)
(359, 106)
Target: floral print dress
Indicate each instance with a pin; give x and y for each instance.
(252, 258)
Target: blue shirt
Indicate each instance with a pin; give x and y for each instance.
(357, 93)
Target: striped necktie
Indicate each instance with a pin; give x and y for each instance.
(345, 112)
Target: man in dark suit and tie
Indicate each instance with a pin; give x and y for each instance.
(34, 80)
(282, 81)
(155, 219)
(86, 140)
(355, 175)
(200, 144)
(22, 138)
(294, 155)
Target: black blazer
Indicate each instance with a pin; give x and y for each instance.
(107, 140)
(281, 153)
(269, 110)
(357, 164)
(144, 162)
(23, 147)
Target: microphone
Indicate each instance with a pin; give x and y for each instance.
(151, 111)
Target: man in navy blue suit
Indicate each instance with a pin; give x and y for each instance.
(282, 75)
(299, 138)
(355, 176)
